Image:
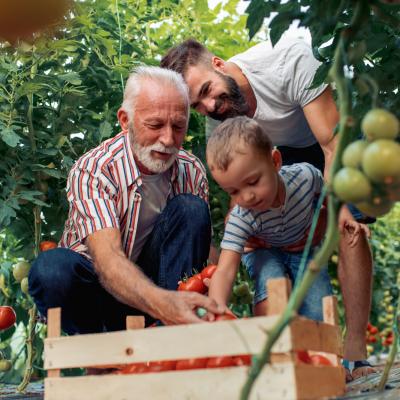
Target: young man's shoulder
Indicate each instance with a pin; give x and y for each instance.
(299, 170)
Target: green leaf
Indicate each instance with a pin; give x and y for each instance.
(10, 137)
(105, 130)
(280, 24)
(257, 10)
(71, 77)
(6, 214)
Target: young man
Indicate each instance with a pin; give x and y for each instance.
(127, 241)
(271, 85)
(273, 203)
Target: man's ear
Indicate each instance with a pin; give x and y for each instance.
(123, 119)
(218, 64)
(276, 159)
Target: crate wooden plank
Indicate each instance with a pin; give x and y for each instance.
(331, 316)
(319, 382)
(244, 336)
(53, 330)
(316, 336)
(275, 382)
(278, 295)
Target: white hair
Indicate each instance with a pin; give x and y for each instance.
(155, 74)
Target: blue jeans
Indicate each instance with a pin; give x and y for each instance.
(180, 241)
(265, 264)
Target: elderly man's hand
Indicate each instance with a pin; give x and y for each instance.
(180, 307)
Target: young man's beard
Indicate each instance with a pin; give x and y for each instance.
(236, 103)
(144, 157)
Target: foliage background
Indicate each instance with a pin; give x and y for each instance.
(59, 97)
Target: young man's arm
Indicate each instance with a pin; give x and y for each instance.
(224, 277)
(127, 283)
(322, 117)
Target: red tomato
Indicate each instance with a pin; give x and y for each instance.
(7, 317)
(160, 366)
(208, 271)
(192, 284)
(369, 326)
(373, 330)
(303, 356)
(388, 341)
(243, 359)
(371, 339)
(47, 245)
(136, 368)
(221, 362)
(191, 363)
(225, 317)
(319, 360)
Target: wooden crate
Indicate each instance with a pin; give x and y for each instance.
(284, 378)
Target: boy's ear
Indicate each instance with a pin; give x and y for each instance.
(218, 64)
(276, 159)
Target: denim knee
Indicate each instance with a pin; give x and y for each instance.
(192, 207)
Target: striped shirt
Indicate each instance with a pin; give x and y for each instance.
(280, 226)
(103, 191)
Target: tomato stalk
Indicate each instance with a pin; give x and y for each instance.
(393, 349)
(37, 222)
(337, 74)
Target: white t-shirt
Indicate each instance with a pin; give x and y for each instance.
(154, 190)
(280, 77)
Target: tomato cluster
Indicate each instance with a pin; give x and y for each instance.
(370, 177)
(317, 360)
(196, 283)
(186, 364)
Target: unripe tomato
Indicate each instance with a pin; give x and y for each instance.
(351, 185)
(242, 289)
(47, 245)
(21, 270)
(5, 365)
(380, 124)
(375, 209)
(381, 161)
(7, 317)
(25, 285)
(352, 155)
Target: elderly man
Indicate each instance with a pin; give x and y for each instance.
(272, 85)
(138, 220)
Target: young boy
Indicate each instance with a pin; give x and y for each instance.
(274, 204)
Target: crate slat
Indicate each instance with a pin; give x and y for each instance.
(245, 336)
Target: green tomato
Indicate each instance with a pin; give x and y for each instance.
(21, 270)
(380, 124)
(242, 289)
(353, 153)
(381, 161)
(25, 285)
(375, 209)
(351, 185)
(5, 365)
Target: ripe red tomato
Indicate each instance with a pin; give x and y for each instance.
(208, 271)
(243, 359)
(191, 363)
(160, 366)
(371, 339)
(136, 368)
(221, 362)
(373, 330)
(225, 317)
(193, 284)
(319, 360)
(7, 317)
(303, 356)
(47, 245)
(388, 341)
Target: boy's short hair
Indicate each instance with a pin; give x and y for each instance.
(188, 53)
(225, 141)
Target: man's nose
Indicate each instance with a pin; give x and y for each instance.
(167, 136)
(209, 105)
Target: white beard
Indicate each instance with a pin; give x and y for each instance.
(143, 154)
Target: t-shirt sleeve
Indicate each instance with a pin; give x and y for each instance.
(315, 176)
(299, 68)
(237, 230)
(92, 207)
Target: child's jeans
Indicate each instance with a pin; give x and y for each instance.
(265, 264)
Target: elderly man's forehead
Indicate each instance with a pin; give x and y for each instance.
(156, 89)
